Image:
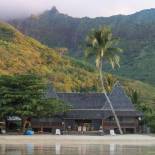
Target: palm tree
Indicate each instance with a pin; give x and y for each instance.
(102, 45)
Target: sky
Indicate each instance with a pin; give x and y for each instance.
(75, 8)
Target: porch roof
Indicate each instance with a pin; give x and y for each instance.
(99, 114)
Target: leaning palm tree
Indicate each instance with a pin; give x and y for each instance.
(102, 45)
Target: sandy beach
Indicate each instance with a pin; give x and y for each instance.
(72, 139)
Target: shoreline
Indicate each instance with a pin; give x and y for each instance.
(74, 139)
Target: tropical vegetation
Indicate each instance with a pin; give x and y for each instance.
(136, 33)
(25, 96)
(20, 54)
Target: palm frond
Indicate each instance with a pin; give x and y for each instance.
(103, 47)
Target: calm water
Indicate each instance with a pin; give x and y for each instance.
(30, 149)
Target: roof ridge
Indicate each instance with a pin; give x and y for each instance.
(79, 93)
(103, 109)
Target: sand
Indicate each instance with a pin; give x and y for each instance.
(73, 139)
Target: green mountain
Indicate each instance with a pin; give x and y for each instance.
(20, 54)
(136, 31)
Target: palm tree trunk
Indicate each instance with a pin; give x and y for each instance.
(107, 97)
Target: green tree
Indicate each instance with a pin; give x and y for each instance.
(134, 96)
(102, 45)
(25, 96)
(149, 114)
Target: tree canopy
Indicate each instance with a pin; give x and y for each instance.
(24, 95)
(102, 45)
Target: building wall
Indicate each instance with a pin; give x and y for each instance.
(128, 124)
(96, 124)
(69, 124)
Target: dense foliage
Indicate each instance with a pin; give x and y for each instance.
(20, 54)
(24, 96)
(26, 55)
(148, 111)
(136, 31)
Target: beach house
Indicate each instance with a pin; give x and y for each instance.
(90, 112)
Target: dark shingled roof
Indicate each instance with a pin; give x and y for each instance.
(50, 92)
(118, 97)
(85, 114)
(83, 100)
(98, 114)
(94, 105)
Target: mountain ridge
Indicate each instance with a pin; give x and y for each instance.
(20, 54)
(136, 32)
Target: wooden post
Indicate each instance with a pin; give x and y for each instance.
(42, 129)
(102, 124)
(64, 126)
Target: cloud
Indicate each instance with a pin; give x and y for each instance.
(20, 8)
(76, 8)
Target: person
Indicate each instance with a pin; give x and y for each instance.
(27, 125)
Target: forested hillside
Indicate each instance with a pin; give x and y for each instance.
(20, 54)
(136, 32)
